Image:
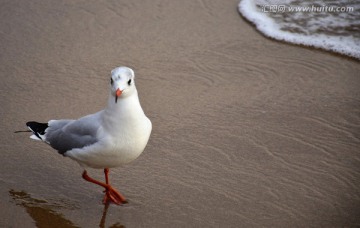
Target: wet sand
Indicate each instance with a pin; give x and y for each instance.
(247, 131)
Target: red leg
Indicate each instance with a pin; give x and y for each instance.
(111, 195)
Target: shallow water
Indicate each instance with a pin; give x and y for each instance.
(247, 131)
(330, 25)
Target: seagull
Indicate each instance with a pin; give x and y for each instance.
(107, 139)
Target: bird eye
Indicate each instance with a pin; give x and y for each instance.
(111, 81)
(129, 82)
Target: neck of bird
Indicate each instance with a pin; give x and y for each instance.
(126, 108)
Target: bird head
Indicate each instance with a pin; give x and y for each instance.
(122, 82)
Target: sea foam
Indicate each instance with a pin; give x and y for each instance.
(309, 23)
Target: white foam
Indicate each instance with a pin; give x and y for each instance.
(346, 45)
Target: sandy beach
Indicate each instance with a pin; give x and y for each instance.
(247, 131)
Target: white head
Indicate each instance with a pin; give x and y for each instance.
(122, 82)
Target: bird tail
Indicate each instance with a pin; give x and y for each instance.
(38, 130)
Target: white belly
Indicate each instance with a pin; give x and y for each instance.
(114, 151)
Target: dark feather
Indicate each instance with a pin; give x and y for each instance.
(37, 128)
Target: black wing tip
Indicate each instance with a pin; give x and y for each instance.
(31, 123)
(37, 128)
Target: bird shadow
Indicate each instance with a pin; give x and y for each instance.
(44, 213)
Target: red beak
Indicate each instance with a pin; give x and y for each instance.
(118, 94)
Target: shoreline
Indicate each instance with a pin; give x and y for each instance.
(317, 40)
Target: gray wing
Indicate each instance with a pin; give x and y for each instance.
(64, 135)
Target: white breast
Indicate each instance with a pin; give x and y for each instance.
(123, 135)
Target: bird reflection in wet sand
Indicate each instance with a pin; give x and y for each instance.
(44, 215)
(103, 219)
(40, 210)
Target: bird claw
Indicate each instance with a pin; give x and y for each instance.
(111, 195)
